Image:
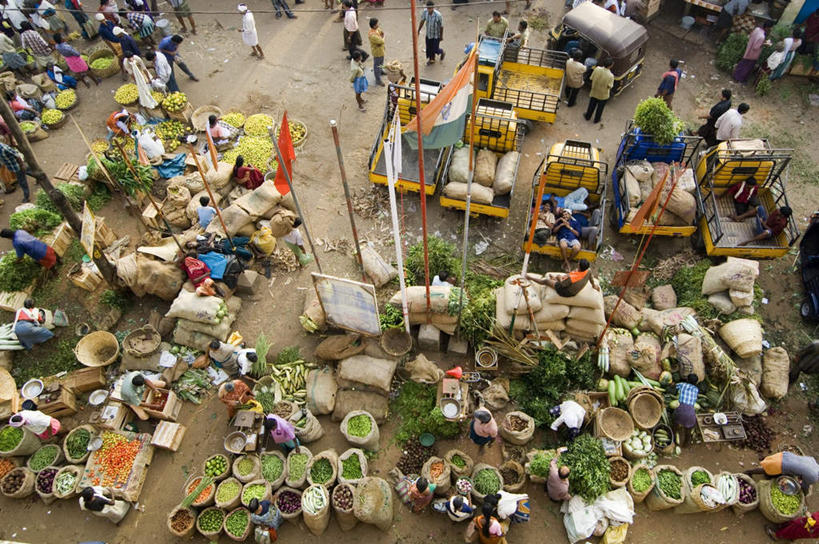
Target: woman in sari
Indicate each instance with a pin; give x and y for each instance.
(486, 527)
(250, 176)
(76, 64)
(420, 494)
(790, 45)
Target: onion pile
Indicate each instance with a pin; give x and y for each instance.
(288, 502)
(45, 480)
(343, 498)
(13, 481)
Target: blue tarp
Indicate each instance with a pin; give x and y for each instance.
(217, 263)
(172, 167)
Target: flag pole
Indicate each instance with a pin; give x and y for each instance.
(292, 192)
(422, 181)
(334, 128)
(393, 139)
(471, 128)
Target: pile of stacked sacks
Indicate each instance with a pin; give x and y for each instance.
(730, 286)
(580, 317)
(202, 319)
(492, 176)
(640, 178)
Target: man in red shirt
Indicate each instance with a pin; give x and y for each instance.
(745, 199)
(770, 226)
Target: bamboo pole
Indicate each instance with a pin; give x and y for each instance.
(210, 193)
(334, 128)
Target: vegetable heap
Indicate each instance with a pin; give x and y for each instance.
(589, 467)
(256, 150)
(747, 492)
(419, 414)
(787, 505)
(478, 315)
(670, 484)
(120, 172)
(253, 491)
(258, 125)
(236, 522)
(297, 131)
(126, 94)
(641, 480)
(114, 460)
(6, 466)
(245, 466)
(234, 119)
(272, 467)
(288, 502)
(654, 117)
(210, 520)
(181, 520)
(203, 495)
(314, 499)
(28, 126)
(639, 442)
(321, 471)
(52, 117)
(458, 461)
(10, 438)
(67, 98)
(45, 480)
(13, 481)
(227, 490)
(700, 477)
(75, 194)
(171, 132)
(360, 425)
(463, 486)
(43, 457)
(174, 102)
(343, 498)
(297, 463)
(541, 463)
(487, 482)
(619, 470)
(16, 276)
(36, 221)
(102, 63)
(65, 482)
(77, 443)
(351, 468)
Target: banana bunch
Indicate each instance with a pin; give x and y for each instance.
(292, 379)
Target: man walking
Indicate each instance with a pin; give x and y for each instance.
(377, 49)
(668, 86)
(182, 9)
(435, 31)
(169, 46)
(352, 37)
(602, 81)
(281, 5)
(13, 161)
(575, 70)
(730, 122)
(248, 30)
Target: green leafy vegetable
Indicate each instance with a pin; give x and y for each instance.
(321, 471)
(541, 463)
(670, 483)
(10, 437)
(487, 482)
(654, 117)
(351, 468)
(43, 457)
(700, 477)
(16, 276)
(36, 221)
(391, 318)
(77, 443)
(419, 414)
(730, 51)
(641, 480)
(442, 259)
(478, 315)
(458, 461)
(75, 194)
(115, 299)
(289, 354)
(589, 466)
(360, 425)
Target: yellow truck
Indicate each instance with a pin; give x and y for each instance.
(529, 79)
(401, 102)
(498, 129)
(570, 168)
(720, 168)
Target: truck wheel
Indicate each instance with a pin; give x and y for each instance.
(527, 126)
(805, 310)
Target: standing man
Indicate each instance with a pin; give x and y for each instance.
(708, 131)
(377, 49)
(575, 70)
(106, 32)
(169, 46)
(31, 40)
(497, 25)
(756, 40)
(352, 37)
(730, 122)
(602, 80)
(435, 32)
(685, 416)
(248, 30)
(165, 79)
(181, 9)
(13, 161)
(11, 10)
(668, 86)
(281, 5)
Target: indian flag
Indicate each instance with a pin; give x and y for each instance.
(444, 118)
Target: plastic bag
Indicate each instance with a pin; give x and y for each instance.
(579, 520)
(264, 240)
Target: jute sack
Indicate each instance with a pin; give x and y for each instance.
(277, 483)
(775, 369)
(657, 499)
(588, 297)
(344, 516)
(637, 296)
(752, 368)
(372, 502)
(459, 167)
(496, 397)
(505, 173)
(663, 297)
(377, 269)
(485, 165)
(626, 315)
(456, 471)
(632, 188)
(584, 330)
(480, 194)
(195, 340)
(220, 176)
(621, 344)
(722, 302)
(477, 495)
(519, 480)
(727, 477)
(220, 331)
(687, 473)
(443, 480)
(369, 442)
(188, 305)
(363, 369)
(741, 298)
(281, 221)
(695, 503)
(645, 356)
(245, 534)
(77, 470)
(235, 219)
(258, 482)
(261, 199)
(332, 457)
(641, 170)
(519, 438)
(594, 315)
(422, 370)
(233, 502)
(739, 507)
(744, 336)
(316, 521)
(193, 205)
(321, 387)
(733, 274)
(680, 203)
(658, 322)
(640, 496)
(310, 430)
(296, 481)
(27, 487)
(254, 474)
(362, 462)
(689, 354)
(292, 517)
(373, 403)
(157, 278)
(313, 314)
(188, 531)
(339, 346)
(513, 295)
(417, 299)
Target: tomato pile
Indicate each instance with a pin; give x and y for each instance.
(114, 460)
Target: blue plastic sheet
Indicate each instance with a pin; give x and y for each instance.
(172, 167)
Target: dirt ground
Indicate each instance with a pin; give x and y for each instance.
(305, 72)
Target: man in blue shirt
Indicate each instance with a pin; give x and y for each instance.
(205, 212)
(26, 244)
(669, 83)
(13, 161)
(128, 44)
(567, 229)
(169, 45)
(685, 416)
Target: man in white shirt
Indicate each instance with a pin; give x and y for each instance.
(352, 37)
(729, 123)
(294, 241)
(245, 358)
(164, 73)
(11, 10)
(571, 414)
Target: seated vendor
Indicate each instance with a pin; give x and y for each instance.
(545, 223)
(443, 279)
(234, 394)
(770, 226)
(223, 356)
(218, 133)
(28, 325)
(119, 123)
(98, 500)
(745, 199)
(250, 176)
(205, 212)
(133, 389)
(567, 229)
(568, 285)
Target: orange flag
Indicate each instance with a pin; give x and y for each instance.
(288, 155)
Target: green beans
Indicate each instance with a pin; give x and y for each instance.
(487, 482)
(298, 463)
(788, 505)
(670, 483)
(351, 468)
(272, 467)
(360, 425)
(236, 522)
(321, 471)
(77, 442)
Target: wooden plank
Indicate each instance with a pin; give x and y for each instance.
(168, 436)
(66, 171)
(65, 405)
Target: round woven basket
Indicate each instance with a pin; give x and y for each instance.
(100, 348)
(615, 423)
(396, 342)
(74, 105)
(107, 72)
(646, 411)
(58, 124)
(199, 118)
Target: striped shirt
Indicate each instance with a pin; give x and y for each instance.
(31, 40)
(688, 393)
(9, 157)
(435, 24)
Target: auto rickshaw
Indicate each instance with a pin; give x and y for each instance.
(600, 33)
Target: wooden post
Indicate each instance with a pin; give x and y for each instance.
(106, 269)
(207, 187)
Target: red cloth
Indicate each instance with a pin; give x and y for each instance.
(196, 270)
(812, 28)
(796, 529)
(776, 222)
(50, 258)
(288, 154)
(255, 177)
(748, 192)
(52, 430)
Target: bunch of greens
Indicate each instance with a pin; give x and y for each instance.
(487, 482)
(321, 471)
(654, 117)
(74, 194)
(731, 51)
(416, 408)
(540, 463)
(700, 477)
(99, 197)
(442, 260)
(16, 276)
(555, 374)
(36, 221)
(687, 284)
(478, 316)
(589, 467)
(391, 318)
(115, 299)
(122, 174)
(290, 354)
(670, 484)
(641, 480)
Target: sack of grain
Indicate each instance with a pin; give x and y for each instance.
(641, 170)
(595, 315)
(663, 297)
(347, 400)
(514, 289)
(219, 177)
(626, 316)
(422, 370)
(588, 297)
(480, 194)
(362, 369)
(584, 330)
(637, 296)
(744, 336)
(621, 344)
(485, 165)
(775, 368)
(321, 391)
(732, 274)
(687, 182)
(377, 269)
(660, 173)
(667, 319)
(680, 203)
(645, 356)
(632, 188)
(505, 173)
(689, 355)
(722, 302)
(741, 298)
(459, 167)
(417, 299)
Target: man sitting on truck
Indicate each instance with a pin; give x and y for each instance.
(770, 226)
(745, 199)
(567, 230)
(568, 285)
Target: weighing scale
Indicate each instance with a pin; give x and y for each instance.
(250, 423)
(453, 398)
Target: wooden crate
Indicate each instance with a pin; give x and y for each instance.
(169, 412)
(60, 238)
(84, 379)
(119, 414)
(151, 217)
(11, 301)
(65, 405)
(67, 172)
(168, 436)
(104, 236)
(183, 115)
(85, 278)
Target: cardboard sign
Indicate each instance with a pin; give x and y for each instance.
(348, 304)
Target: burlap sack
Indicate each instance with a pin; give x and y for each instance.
(766, 506)
(751, 368)
(443, 480)
(594, 315)
(485, 165)
(369, 442)
(645, 356)
(331, 456)
(515, 483)
(313, 314)
(372, 502)
(316, 521)
(480, 194)
(775, 369)
(296, 481)
(694, 503)
(422, 370)
(260, 200)
(339, 346)
(680, 203)
(254, 474)
(689, 355)
(281, 221)
(639, 496)
(347, 401)
(459, 166)
(626, 316)
(733, 274)
(377, 269)
(235, 219)
(659, 322)
(657, 499)
(632, 188)
(219, 177)
(519, 438)
(455, 470)
(321, 390)
(514, 289)
(362, 369)
(308, 429)
(344, 516)
(188, 305)
(663, 297)
(722, 302)
(477, 495)
(496, 396)
(740, 507)
(584, 330)
(505, 173)
(588, 297)
(621, 345)
(362, 462)
(744, 336)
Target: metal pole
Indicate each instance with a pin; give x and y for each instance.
(210, 193)
(150, 197)
(421, 176)
(106, 269)
(334, 128)
(295, 198)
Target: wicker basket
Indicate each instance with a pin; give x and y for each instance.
(300, 142)
(77, 470)
(83, 457)
(199, 118)
(58, 124)
(107, 72)
(100, 348)
(396, 342)
(72, 106)
(646, 410)
(614, 423)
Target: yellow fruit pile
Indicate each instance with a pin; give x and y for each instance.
(158, 96)
(99, 146)
(28, 126)
(234, 119)
(297, 131)
(170, 132)
(257, 125)
(126, 94)
(52, 117)
(257, 151)
(65, 99)
(102, 63)
(175, 102)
